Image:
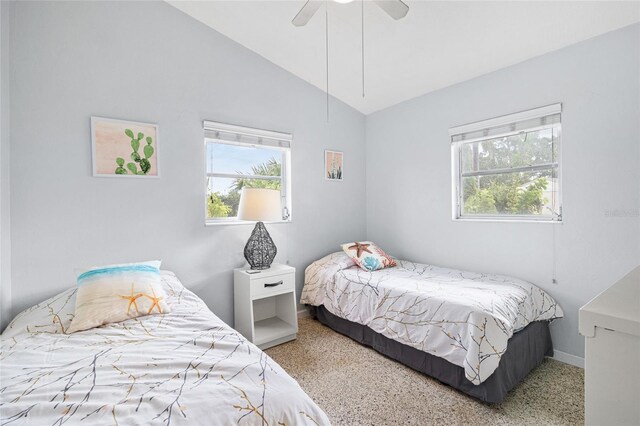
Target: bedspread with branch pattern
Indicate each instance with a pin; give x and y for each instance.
(466, 318)
(184, 367)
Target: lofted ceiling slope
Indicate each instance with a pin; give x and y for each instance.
(438, 43)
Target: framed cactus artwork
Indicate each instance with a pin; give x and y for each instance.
(124, 148)
(333, 165)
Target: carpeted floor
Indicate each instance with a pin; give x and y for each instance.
(355, 385)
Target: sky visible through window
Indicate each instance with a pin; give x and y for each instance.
(225, 158)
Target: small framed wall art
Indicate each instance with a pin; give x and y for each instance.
(333, 165)
(124, 148)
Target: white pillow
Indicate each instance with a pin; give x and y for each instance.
(368, 256)
(114, 293)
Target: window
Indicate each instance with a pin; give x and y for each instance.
(238, 157)
(508, 168)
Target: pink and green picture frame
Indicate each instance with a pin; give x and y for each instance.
(123, 148)
(333, 165)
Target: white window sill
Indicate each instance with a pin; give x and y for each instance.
(505, 220)
(241, 222)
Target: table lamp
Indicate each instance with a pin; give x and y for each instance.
(259, 204)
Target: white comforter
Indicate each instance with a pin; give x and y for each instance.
(185, 367)
(466, 318)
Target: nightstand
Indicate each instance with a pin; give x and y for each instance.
(265, 304)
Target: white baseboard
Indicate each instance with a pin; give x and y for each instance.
(303, 313)
(568, 358)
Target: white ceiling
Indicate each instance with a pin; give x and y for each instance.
(438, 43)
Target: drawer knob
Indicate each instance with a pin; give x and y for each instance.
(273, 284)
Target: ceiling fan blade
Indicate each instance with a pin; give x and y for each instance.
(395, 8)
(306, 13)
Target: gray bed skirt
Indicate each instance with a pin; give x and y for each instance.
(525, 351)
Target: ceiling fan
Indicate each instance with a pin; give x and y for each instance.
(395, 8)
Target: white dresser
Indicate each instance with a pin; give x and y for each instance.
(611, 326)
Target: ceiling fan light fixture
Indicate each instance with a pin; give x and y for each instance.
(394, 8)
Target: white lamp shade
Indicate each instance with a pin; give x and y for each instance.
(260, 205)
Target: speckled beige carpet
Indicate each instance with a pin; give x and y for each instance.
(355, 385)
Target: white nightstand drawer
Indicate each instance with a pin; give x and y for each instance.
(269, 286)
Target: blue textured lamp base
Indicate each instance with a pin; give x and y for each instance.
(260, 249)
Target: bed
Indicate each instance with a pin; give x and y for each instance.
(479, 333)
(184, 367)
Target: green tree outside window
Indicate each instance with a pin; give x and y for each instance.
(226, 205)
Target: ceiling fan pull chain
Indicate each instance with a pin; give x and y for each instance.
(326, 38)
(362, 13)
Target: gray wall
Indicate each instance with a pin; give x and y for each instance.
(409, 174)
(150, 62)
(5, 222)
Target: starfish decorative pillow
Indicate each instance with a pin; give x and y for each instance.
(368, 256)
(115, 293)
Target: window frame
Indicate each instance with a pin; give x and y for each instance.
(458, 174)
(259, 135)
